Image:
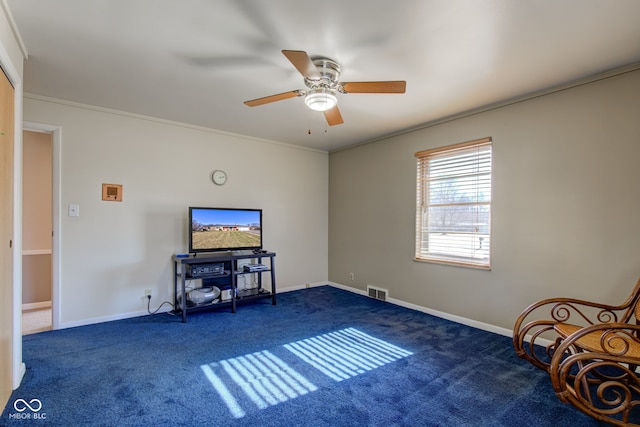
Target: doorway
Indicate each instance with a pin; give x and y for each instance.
(37, 227)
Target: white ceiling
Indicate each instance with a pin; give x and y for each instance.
(196, 61)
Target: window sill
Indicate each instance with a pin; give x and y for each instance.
(454, 263)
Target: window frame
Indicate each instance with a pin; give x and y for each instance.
(478, 207)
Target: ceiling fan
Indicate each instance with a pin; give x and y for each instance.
(321, 77)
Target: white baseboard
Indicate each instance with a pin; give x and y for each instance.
(94, 320)
(452, 317)
(36, 305)
(348, 288)
(300, 287)
(458, 319)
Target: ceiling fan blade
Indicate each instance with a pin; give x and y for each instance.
(333, 116)
(303, 63)
(398, 86)
(274, 98)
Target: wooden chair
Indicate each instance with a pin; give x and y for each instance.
(591, 352)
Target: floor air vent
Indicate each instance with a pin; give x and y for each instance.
(377, 293)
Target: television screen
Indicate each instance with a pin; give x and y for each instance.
(224, 229)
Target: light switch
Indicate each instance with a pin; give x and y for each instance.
(74, 210)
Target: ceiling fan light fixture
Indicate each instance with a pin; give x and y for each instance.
(321, 99)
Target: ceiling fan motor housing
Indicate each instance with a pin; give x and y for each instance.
(329, 71)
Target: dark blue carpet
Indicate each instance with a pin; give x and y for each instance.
(321, 357)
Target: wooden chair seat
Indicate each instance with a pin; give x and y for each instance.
(593, 341)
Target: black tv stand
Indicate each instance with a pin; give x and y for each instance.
(228, 276)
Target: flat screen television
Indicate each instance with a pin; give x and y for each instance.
(224, 229)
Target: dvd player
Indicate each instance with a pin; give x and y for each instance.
(255, 267)
(197, 270)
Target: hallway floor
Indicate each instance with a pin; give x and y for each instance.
(36, 321)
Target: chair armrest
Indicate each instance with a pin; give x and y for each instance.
(534, 326)
(560, 310)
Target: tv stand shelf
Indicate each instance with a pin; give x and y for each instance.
(225, 269)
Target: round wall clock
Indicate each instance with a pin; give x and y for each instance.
(219, 177)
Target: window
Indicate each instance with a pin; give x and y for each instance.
(453, 218)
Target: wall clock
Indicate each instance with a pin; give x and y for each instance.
(219, 177)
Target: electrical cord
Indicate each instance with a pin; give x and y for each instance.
(157, 309)
(187, 288)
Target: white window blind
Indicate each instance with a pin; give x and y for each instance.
(453, 218)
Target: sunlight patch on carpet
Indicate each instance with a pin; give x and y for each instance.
(266, 380)
(223, 391)
(344, 354)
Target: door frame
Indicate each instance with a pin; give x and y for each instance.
(55, 132)
(15, 77)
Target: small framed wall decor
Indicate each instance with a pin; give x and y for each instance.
(112, 192)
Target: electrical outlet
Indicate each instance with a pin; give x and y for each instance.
(147, 293)
(352, 276)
